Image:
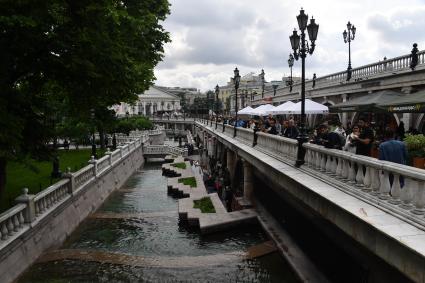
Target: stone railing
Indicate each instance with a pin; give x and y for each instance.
(228, 130)
(280, 147)
(398, 187)
(245, 135)
(51, 196)
(381, 68)
(189, 137)
(164, 150)
(13, 221)
(30, 208)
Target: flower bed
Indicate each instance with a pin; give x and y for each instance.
(190, 181)
(204, 204)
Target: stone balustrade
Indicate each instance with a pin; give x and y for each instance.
(277, 145)
(50, 196)
(398, 187)
(12, 222)
(32, 207)
(245, 135)
(164, 150)
(228, 130)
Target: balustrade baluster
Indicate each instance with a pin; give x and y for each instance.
(4, 232)
(352, 173)
(419, 199)
(359, 175)
(375, 181)
(323, 162)
(338, 170)
(367, 181)
(328, 165)
(9, 227)
(395, 190)
(406, 194)
(15, 223)
(345, 170)
(385, 187)
(21, 218)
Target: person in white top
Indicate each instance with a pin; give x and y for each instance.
(352, 140)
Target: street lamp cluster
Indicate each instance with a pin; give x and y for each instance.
(236, 81)
(301, 48)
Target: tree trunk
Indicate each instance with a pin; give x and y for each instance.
(102, 137)
(3, 163)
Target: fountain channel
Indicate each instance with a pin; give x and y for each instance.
(136, 237)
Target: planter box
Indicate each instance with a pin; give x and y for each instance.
(418, 162)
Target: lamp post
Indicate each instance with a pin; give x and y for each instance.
(301, 48)
(291, 64)
(236, 80)
(217, 91)
(348, 37)
(93, 141)
(274, 89)
(262, 74)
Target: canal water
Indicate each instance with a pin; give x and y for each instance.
(136, 237)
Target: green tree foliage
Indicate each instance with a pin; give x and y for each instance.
(126, 125)
(82, 54)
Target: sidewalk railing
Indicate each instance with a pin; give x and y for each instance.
(397, 188)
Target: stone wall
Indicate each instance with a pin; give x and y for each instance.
(52, 228)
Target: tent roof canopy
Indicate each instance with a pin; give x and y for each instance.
(311, 107)
(411, 103)
(367, 103)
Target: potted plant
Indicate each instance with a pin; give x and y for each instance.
(416, 149)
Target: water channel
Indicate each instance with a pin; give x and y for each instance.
(136, 237)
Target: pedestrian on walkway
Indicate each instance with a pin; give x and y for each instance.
(352, 140)
(365, 139)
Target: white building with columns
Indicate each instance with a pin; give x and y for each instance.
(154, 101)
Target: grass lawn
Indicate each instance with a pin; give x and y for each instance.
(204, 204)
(180, 165)
(19, 176)
(191, 181)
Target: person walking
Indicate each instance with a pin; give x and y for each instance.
(292, 131)
(393, 151)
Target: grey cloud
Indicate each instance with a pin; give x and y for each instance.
(401, 28)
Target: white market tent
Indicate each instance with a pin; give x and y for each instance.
(246, 111)
(282, 108)
(311, 107)
(263, 110)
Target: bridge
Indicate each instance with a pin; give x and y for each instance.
(392, 74)
(340, 191)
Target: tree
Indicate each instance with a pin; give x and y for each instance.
(88, 54)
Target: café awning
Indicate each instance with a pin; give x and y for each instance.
(409, 103)
(368, 103)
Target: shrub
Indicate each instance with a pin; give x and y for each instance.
(190, 181)
(180, 165)
(204, 204)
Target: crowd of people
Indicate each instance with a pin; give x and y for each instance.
(358, 138)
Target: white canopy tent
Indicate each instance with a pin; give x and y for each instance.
(263, 110)
(311, 107)
(282, 108)
(246, 111)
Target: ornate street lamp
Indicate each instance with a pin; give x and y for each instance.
(291, 64)
(262, 74)
(217, 91)
(348, 37)
(236, 80)
(301, 48)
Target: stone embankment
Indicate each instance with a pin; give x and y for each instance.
(216, 221)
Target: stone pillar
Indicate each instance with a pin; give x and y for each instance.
(29, 212)
(344, 114)
(248, 186)
(230, 161)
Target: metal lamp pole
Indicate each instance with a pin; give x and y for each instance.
(291, 64)
(217, 91)
(348, 37)
(262, 74)
(304, 48)
(93, 141)
(236, 80)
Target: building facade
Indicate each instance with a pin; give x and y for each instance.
(153, 102)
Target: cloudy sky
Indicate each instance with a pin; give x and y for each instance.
(211, 37)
